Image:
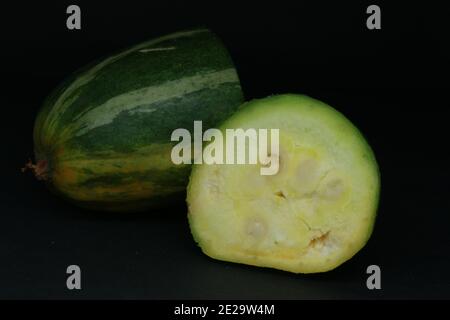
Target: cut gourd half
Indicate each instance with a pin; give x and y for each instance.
(315, 213)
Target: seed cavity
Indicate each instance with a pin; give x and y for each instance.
(319, 241)
(307, 176)
(333, 189)
(256, 228)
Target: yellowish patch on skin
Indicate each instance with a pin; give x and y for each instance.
(133, 191)
(70, 168)
(153, 156)
(64, 175)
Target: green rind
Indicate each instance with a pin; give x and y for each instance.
(126, 107)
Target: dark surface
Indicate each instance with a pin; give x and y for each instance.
(391, 83)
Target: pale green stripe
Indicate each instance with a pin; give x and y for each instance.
(68, 96)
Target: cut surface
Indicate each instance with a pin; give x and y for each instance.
(314, 214)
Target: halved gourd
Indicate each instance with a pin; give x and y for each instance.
(313, 215)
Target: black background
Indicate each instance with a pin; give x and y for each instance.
(392, 83)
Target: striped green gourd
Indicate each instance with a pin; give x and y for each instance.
(102, 138)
